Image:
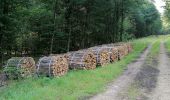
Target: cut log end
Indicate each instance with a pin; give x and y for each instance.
(83, 59)
(53, 66)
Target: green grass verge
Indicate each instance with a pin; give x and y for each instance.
(155, 48)
(74, 85)
(167, 44)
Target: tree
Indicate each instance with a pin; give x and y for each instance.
(41, 27)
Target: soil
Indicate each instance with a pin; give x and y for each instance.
(162, 90)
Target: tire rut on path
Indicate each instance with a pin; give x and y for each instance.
(162, 91)
(123, 81)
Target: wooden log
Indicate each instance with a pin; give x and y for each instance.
(52, 66)
(122, 49)
(24, 65)
(127, 45)
(130, 47)
(65, 55)
(82, 59)
(124, 46)
(102, 55)
(113, 52)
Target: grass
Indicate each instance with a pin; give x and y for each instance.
(155, 48)
(74, 85)
(167, 44)
(133, 92)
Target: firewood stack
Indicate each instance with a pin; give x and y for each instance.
(65, 55)
(125, 46)
(113, 52)
(52, 66)
(102, 55)
(83, 59)
(24, 65)
(130, 47)
(120, 48)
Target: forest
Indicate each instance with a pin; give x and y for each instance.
(84, 49)
(42, 27)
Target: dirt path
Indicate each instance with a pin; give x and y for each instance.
(123, 81)
(162, 91)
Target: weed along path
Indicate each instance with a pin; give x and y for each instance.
(162, 91)
(112, 91)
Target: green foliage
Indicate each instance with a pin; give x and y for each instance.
(41, 27)
(147, 18)
(167, 43)
(12, 72)
(155, 48)
(166, 18)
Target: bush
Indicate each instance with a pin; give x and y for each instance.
(12, 72)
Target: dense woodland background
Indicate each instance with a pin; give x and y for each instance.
(41, 27)
(166, 18)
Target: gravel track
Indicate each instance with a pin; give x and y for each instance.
(124, 81)
(162, 90)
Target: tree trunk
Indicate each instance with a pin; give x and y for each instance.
(69, 40)
(122, 21)
(54, 31)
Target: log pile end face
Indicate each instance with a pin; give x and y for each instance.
(124, 49)
(113, 52)
(121, 50)
(102, 55)
(52, 66)
(25, 65)
(83, 59)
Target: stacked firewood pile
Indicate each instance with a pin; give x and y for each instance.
(122, 49)
(124, 46)
(113, 52)
(118, 50)
(52, 66)
(130, 47)
(83, 59)
(59, 64)
(65, 55)
(24, 66)
(102, 55)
